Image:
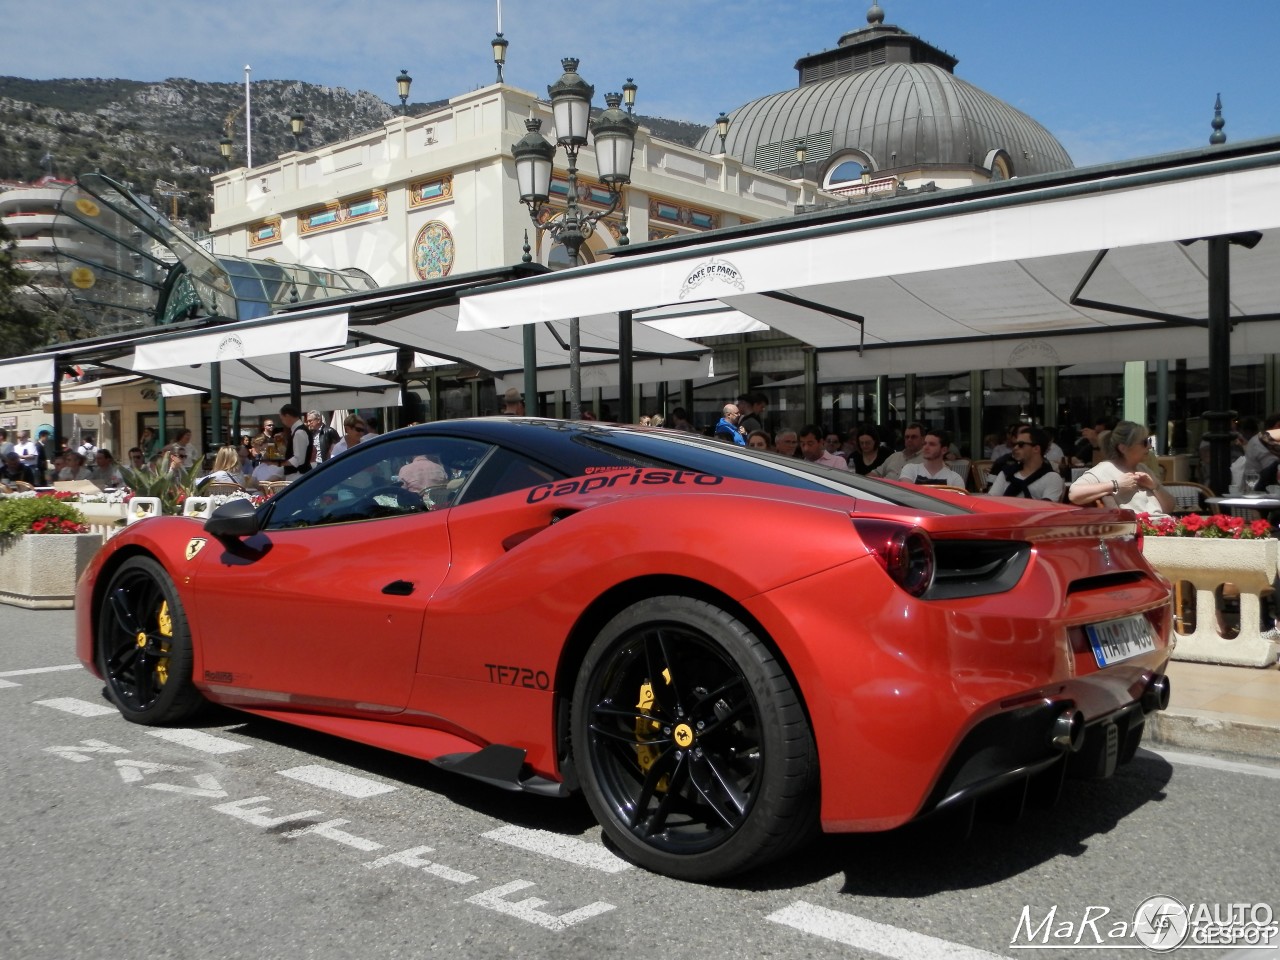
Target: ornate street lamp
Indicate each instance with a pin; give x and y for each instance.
(615, 138)
(297, 123)
(403, 83)
(801, 152)
(224, 148)
(499, 44)
(722, 128)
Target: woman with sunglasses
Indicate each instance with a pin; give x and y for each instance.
(354, 429)
(1122, 479)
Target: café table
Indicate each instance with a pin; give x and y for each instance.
(1249, 505)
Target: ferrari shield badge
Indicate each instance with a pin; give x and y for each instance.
(194, 546)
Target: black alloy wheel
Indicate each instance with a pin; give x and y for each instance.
(694, 751)
(144, 645)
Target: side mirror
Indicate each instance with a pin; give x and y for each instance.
(236, 519)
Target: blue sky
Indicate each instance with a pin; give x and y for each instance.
(1111, 81)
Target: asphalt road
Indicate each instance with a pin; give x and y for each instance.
(248, 838)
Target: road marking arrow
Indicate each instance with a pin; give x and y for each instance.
(77, 754)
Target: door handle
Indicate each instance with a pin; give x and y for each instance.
(399, 588)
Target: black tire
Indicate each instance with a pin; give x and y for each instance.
(718, 773)
(144, 646)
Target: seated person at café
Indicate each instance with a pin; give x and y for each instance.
(1029, 475)
(14, 471)
(75, 468)
(1122, 479)
(105, 472)
(226, 468)
(932, 469)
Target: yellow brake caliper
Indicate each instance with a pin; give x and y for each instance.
(166, 630)
(646, 755)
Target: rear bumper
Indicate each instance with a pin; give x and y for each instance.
(1015, 745)
(917, 705)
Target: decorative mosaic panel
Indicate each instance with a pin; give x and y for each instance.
(426, 192)
(590, 193)
(261, 234)
(342, 212)
(670, 212)
(433, 251)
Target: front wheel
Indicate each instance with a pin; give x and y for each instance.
(144, 645)
(693, 749)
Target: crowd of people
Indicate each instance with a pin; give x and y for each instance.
(279, 451)
(1112, 463)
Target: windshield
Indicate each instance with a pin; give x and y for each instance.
(691, 452)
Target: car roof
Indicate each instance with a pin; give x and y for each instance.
(577, 446)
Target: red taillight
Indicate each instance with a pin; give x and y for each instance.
(905, 553)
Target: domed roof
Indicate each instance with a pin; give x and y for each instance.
(894, 100)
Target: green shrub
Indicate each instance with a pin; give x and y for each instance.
(19, 515)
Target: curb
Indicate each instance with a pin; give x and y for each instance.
(1224, 732)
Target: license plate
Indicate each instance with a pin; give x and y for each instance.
(1118, 640)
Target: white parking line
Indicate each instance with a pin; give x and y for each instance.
(199, 740)
(878, 938)
(569, 849)
(337, 781)
(1213, 763)
(81, 708)
(28, 672)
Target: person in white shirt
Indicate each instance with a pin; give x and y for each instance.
(354, 430)
(75, 468)
(932, 469)
(28, 451)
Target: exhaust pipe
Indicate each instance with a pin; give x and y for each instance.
(1067, 733)
(1156, 695)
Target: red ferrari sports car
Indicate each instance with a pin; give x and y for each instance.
(723, 650)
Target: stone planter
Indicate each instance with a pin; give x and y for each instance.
(103, 519)
(39, 571)
(1208, 564)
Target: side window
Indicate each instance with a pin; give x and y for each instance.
(390, 479)
(504, 471)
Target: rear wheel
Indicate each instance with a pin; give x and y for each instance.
(144, 645)
(692, 747)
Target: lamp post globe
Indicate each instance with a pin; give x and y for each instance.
(499, 44)
(615, 139)
(534, 155)
(403, 83)
(571, 105)
(722, 128)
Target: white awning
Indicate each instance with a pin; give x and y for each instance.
(25, 371)
(374, 358)
(434, 331)
(83, 397)
(280, 334)
(264, 382)
(974, 279)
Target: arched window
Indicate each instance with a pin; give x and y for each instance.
(846, 172)
(848, 168)
(1000, 165)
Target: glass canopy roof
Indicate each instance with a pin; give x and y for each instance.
(128, 268)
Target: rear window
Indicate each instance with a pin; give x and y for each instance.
(691, 452)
